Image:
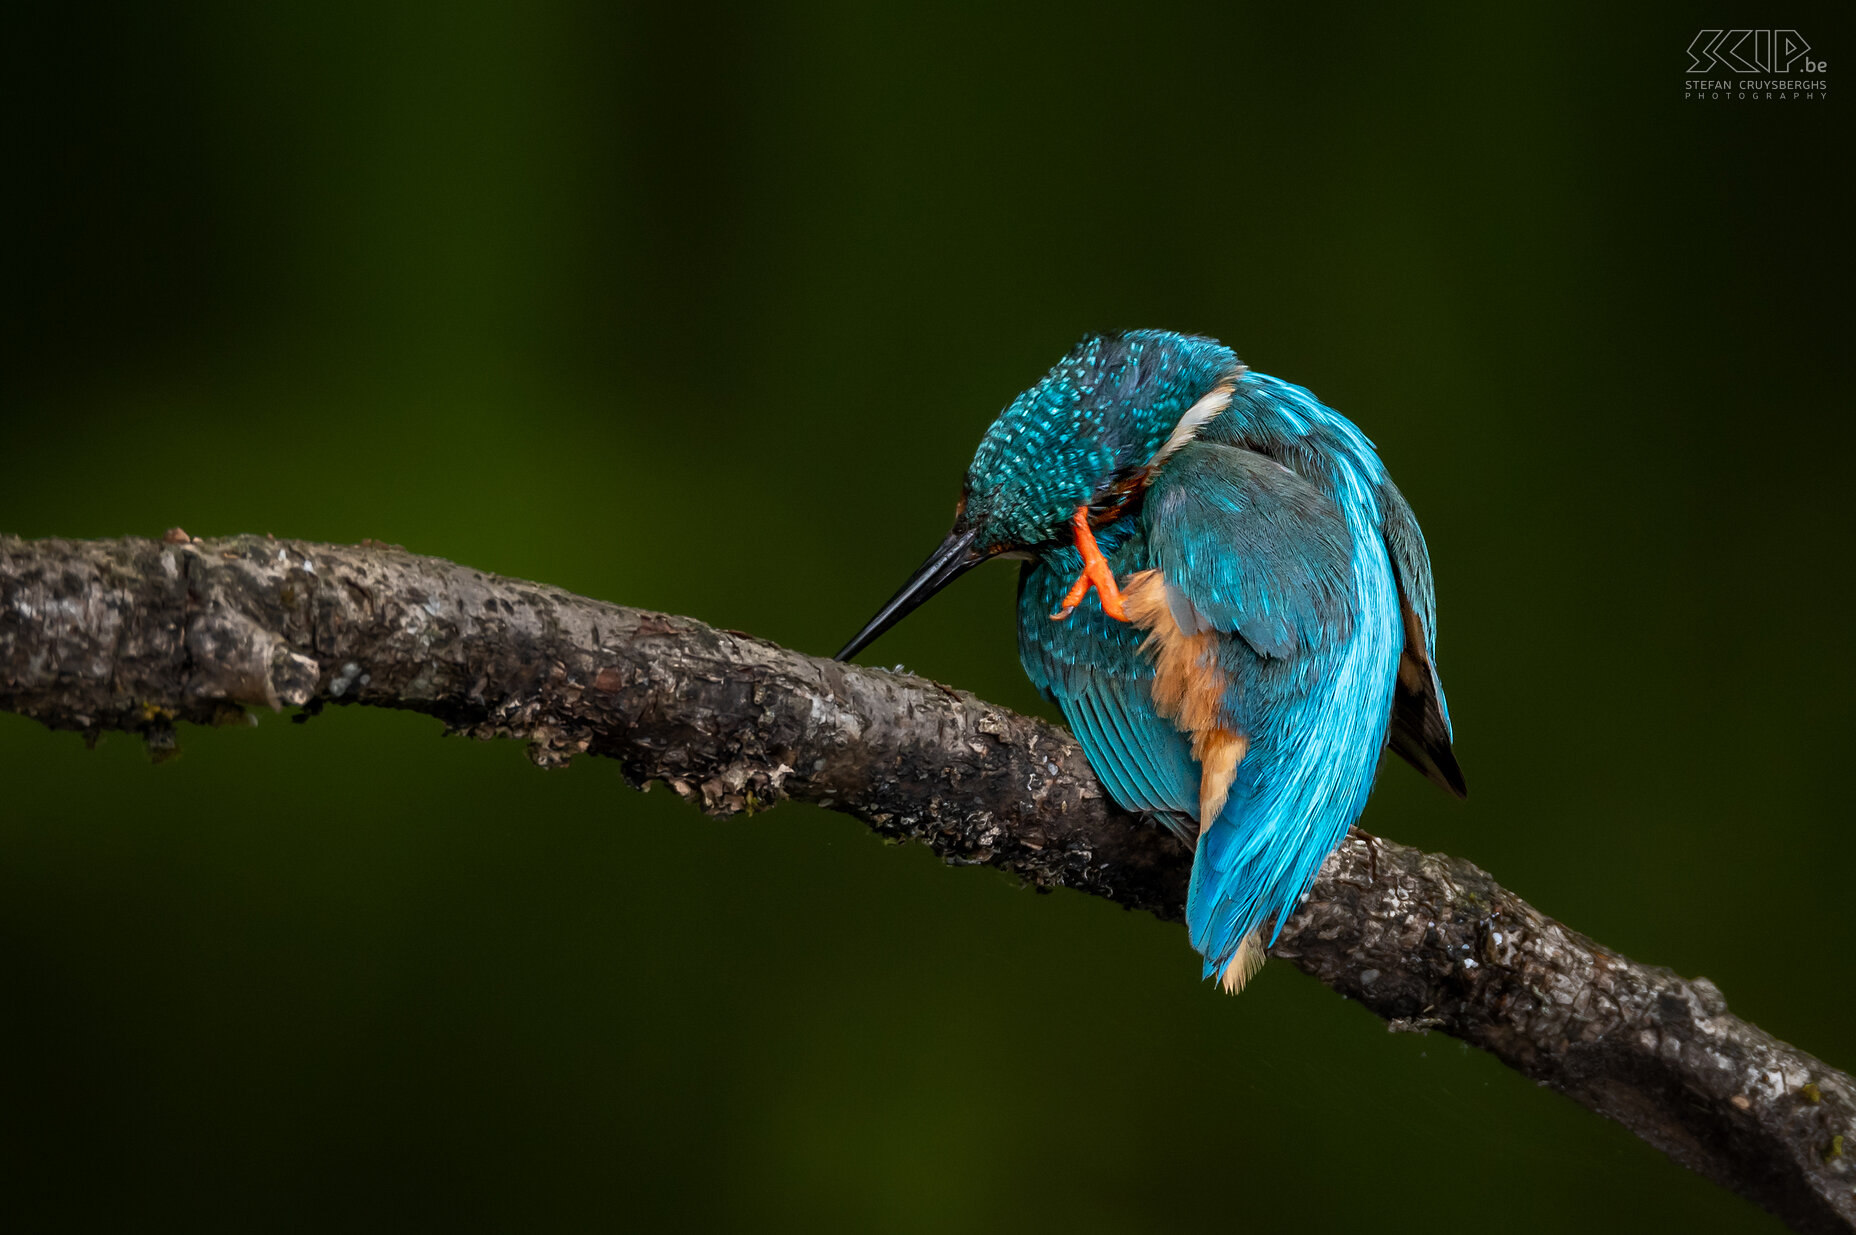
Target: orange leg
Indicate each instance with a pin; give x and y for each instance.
(1095, 574)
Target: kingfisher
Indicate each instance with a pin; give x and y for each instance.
(1227, 598)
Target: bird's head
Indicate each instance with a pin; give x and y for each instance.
(1090, 434)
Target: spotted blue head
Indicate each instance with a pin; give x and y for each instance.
(1085, 438)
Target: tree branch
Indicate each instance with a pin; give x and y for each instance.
(136, 635)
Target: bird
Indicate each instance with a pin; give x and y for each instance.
(1227, 598)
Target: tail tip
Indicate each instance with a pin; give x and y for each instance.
(1244, 964)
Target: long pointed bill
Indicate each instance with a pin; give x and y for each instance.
(954, 558)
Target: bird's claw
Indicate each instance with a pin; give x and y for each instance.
(1095, 574)
(1372, 850)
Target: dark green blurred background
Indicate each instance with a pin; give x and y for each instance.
(705, 311)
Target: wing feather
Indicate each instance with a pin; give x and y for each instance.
(1255, 549)
(1421, 733)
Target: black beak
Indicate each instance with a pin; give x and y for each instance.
(954, 558)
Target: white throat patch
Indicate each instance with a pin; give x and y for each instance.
(1209, 405)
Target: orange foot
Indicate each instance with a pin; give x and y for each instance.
(1095, 574)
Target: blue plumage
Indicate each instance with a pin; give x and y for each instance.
(1279, 622)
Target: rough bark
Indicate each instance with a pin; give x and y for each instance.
(137, 635)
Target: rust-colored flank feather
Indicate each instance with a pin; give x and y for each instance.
(1188, 689)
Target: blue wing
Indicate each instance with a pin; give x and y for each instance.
(1260, 555)
(1259, 552)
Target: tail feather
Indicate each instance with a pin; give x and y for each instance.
(1245, 963)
